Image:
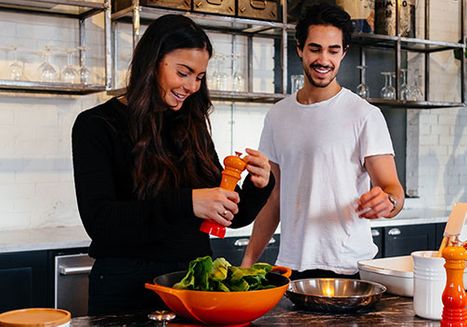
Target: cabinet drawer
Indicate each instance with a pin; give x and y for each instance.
(377, 234)
(23, 280)
(232, 249)
(403, 240)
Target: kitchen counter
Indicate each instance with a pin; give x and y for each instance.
(389, 311)
(43, 239)
(75, 236)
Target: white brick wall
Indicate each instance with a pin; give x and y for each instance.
(437, 138)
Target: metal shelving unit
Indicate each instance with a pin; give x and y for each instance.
(137, 15)
(73, 9)
(52, 88)
(424, 46)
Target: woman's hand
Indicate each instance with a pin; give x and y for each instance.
(258, 167)
(216, 204)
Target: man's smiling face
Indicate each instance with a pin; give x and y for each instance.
(322, 54)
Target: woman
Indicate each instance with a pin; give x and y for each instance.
(146, 171)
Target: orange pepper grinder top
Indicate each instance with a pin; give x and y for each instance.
(234, 165)
(454, 296)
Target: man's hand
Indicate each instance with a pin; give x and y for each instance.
(374, 204)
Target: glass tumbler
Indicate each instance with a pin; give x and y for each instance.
(297, 82)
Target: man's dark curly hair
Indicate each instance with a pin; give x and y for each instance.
(324, 14)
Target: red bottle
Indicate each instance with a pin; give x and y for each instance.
(234, 165)
(454, 297)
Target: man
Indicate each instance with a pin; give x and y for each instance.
(325, 146)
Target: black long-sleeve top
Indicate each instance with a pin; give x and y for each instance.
(163, 228)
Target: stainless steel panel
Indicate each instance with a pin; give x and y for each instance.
(71, 283)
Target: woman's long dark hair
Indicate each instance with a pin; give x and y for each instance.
(171, 148)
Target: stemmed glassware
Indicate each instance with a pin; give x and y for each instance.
(388, 91)
(219, 76)
(84, 72)
(46, 70)
(16, 68)
(69, 73)
(238, 81)
(404, 91)
(415, 91)
(362, 89)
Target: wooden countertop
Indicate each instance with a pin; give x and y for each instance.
(389, 311)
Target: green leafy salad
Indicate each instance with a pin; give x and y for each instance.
(204, 274)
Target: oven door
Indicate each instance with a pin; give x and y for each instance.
(71, 283)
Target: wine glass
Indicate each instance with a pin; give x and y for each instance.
(219, 77)
(404, 91)
(238, 81)
(362, 89)
(84, 72)
(46, 70)
(297, 82)
(69, 73)
(17, 67)
(415, 92)
(388, 91)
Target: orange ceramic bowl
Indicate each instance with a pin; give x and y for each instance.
(221, 308)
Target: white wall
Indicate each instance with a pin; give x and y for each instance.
(437, 139)
(36, 186)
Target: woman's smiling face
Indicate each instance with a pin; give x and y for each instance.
(180, 75)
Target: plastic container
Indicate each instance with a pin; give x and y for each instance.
(429, 283)
(35, 317)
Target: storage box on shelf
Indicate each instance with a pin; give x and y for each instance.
(70, 9)
(256, 9)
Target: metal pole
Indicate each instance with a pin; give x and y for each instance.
(463, 52)
(427, 54)
(362, 63)
(136, 22)
(284, 47)
(250, 64)
(108, 46)
(82, 42)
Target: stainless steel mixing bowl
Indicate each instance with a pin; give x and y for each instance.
(334, 294)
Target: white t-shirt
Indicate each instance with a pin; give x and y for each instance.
(321, 149)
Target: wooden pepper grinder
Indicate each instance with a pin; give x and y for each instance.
(234, 165)
(454, 297)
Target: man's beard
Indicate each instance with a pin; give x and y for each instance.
(320, 83)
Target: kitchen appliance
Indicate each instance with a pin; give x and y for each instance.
(221, 308)
(259, 9)
(221, 7)
(334, 294)
(396, 273)
(71, 283)
(118, 5)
